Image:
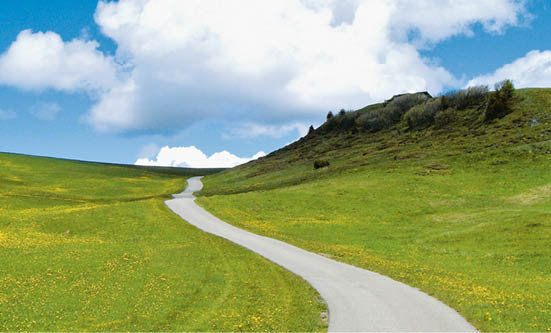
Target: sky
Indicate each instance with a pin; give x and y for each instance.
(209, 83)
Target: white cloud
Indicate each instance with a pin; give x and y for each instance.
(434, 21)
(37, 61)
(267, 62)
(532, 70)
(191, 157)
(45, 111)
(253, 130)
(7, 114)
(278, 60)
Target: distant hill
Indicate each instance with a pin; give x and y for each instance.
(414, 127)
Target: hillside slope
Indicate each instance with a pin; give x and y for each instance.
(524, 133)
(459, 207)
(92, 247)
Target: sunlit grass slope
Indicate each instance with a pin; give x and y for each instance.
(462, 212)
(88, 246)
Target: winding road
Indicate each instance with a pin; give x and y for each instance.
(358, 300)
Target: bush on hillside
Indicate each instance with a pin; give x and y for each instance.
(500, 102)
(444, 117)
(441, 111)
(407, 101)
(416, 117)
(466, 98)
(320, 164)
(343, 121)
(375, 120)
(371, 121)
(330, 124)
(423, 115)
(399, 105)
(347, 121)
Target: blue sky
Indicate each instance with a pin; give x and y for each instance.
(130, 77)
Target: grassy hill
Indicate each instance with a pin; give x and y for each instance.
(439, 193)
(92, 247)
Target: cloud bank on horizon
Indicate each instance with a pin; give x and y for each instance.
(271, 66)
(191, 157)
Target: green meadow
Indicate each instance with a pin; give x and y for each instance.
(461, 211)
(92, 247)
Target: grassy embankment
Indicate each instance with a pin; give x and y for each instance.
(462, 212)
(88, 246)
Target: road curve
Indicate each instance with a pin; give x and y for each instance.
(358, 300)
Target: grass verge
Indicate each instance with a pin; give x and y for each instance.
(92, 247)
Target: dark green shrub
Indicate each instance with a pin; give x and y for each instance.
(415, 117)
(423, 115)
(347, 121)
(399, 105)
(444, 118)
(506, 89)
(343, 121)
(371, 121)
(465, 98)
(500, 102)
(405, 102)
(433, 106)
(392, 113)
(320, 164)
(444, 102)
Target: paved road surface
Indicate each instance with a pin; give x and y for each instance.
(358, 300)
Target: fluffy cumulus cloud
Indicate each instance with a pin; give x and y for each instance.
(532, 70)
(37, 61)
(433, 21)
(191, 157)
(270, 63)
